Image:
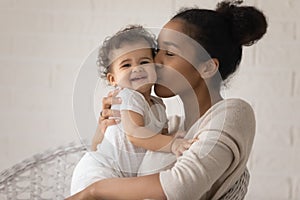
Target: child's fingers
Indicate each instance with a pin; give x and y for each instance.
(180, 134)
(193, 140)
(178, 154)
(187, 145)
(182, 149)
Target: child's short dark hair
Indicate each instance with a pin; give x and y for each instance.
(131, 34)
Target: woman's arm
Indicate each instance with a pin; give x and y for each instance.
(191, 177)
(158, 142)
(144, 187)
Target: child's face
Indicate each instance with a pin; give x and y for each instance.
(133, 67)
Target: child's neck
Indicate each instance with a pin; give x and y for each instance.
(147, 96)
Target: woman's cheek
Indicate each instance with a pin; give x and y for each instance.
(168, 81)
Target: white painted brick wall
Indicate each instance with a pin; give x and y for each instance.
(43, 43)
(296, 81)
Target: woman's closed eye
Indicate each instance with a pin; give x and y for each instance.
(169, 53)
(166, 52)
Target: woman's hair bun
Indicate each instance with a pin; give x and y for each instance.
(247, 23)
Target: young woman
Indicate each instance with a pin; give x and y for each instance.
(225, 127)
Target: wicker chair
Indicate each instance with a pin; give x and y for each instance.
(43, 176)
(47, 176)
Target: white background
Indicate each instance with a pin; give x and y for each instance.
(43, 43)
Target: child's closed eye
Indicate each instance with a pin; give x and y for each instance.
(126, 65)
(144, 62)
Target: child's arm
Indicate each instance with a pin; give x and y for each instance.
(157, 142)
(141, 136)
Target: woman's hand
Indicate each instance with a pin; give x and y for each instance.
(104, 120)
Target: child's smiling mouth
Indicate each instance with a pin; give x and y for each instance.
(138, 78)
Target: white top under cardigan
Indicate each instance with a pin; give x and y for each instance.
(216, 161)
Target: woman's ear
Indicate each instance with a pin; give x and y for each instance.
(111, 79)
(209, 68)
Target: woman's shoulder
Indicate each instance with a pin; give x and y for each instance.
(234, 105)
(229, 114)
(237, 116)
(238, 101)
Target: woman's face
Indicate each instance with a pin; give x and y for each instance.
(176, 61)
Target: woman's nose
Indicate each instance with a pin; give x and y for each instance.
(158, 59)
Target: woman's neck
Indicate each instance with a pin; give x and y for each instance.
(197, 103)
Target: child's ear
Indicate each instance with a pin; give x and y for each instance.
(209, 68)
(111, 79)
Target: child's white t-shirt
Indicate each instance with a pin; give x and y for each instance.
(118, 152)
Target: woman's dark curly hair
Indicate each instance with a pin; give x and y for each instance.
(130, 34)
(223, 32)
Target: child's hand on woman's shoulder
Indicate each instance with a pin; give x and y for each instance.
(179, 144)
